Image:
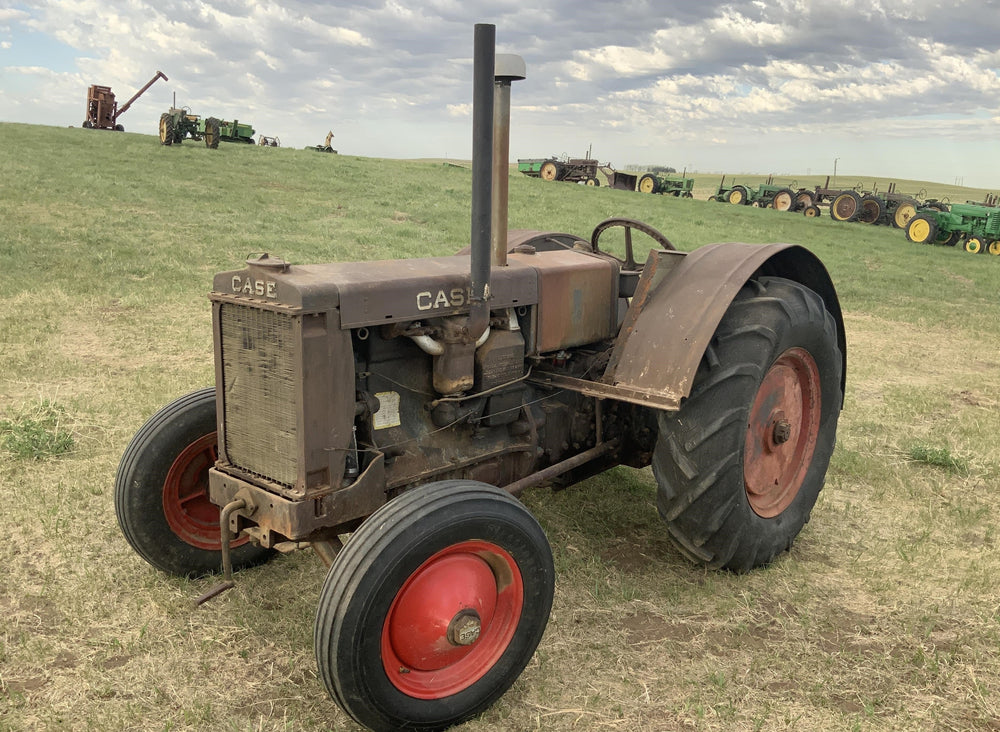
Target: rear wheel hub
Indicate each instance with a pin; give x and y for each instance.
(782, 432)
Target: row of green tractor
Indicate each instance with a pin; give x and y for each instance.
(975, 226)
(844, 204)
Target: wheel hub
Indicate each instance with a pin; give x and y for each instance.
(783, 427)
(187, 508)
(452, 620)
(464, 628)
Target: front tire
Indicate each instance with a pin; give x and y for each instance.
(434, 607)
(161, 491)
(740, 465)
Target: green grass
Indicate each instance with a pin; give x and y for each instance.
(883, 616)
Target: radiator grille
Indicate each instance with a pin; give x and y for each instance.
(258, 369)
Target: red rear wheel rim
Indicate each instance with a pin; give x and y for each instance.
(192, 517)
(452, 620)
(782, 432)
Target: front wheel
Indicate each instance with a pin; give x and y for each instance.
(434, 607)
(161, 491)
(740, 465)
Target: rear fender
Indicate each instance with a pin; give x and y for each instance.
(679, 302)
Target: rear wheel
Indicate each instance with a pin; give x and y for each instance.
(903, 213)
(922, 229)
(845, 206)
(434, 607)
(740, 466)
(161, 491)
(212, 133)
(166, 129)
(738, 195)
(647, 184)
(871, 209)
(783, 200)
(549, 170)
(804, 199)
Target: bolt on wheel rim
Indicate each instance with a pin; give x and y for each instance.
(782, 431)
(452, 620)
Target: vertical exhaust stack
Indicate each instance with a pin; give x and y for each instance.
(509, 68)
(484, 56)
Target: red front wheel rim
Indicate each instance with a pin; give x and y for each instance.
(192, 517)
(782, 431)
(452, 620)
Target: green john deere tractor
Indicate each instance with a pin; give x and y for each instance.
(976, 226)
(178, 124)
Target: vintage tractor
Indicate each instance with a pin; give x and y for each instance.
(179, 123)
(102, 109)
(572, 170)
(845, 204)
(672, 185)
(976, 226)
(408, 402)
(765, 195)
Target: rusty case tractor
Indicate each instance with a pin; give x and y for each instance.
(408, 402)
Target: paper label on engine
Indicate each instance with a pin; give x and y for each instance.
(388, 410)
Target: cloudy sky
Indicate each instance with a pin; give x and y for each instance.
(890, 88)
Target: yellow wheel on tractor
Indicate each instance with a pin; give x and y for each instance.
(994, 248)
(846, 206)
(974, 245)
(922, 229)
(549, 170)
(903, 213)
(738, 195)
(647, 184)
(166, 129)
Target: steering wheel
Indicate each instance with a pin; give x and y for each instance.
(628, 225)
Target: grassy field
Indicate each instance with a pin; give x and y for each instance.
(884, 616)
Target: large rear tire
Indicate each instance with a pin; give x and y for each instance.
(647, 184)
(740, 466)
(161, 491)
(922, 229)
(783, 200)
(166, 129)
(550, 170)
(212, 133)
(738, 195)
(434, 607)
(846, 206)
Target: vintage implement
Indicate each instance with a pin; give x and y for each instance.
(408, 402)
(102, 109)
